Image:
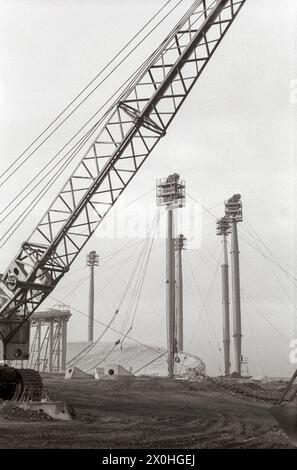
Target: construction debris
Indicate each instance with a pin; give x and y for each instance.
(76, 373)
(9, 410)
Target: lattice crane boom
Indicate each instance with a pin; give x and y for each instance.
(138, 122)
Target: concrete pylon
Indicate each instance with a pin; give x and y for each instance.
(225, 306)
(92, 261)
(223, 230)
(179, 316)
(237, 334)
(170, 293)
(233, 210)
(170, 193)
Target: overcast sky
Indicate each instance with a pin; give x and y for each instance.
(235, 134)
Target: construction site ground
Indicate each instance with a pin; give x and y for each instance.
(147, 413)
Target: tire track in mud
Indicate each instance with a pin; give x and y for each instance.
(149, 413)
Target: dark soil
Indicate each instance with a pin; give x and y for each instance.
(147, 413)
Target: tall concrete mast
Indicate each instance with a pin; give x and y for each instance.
(170, 291)
(179, 319)
(223, 230)
(170, 193)
(92, 261)
(233, 210)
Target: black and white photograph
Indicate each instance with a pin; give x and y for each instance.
(148, 227)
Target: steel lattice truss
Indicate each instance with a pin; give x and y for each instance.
(132, 131)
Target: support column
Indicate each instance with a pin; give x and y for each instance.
(179, 319)
(1, 351)
(50, 347)
(170, 293)
(38, 345)
(225, 306)
(64, 345)
(171, 193)
(237, 335)
(92, 261)
(91, 306)
(58, 346)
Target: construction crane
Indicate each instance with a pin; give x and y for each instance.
(138, 122)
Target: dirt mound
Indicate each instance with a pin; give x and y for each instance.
(234, 375)
(11, 411)
(254, 392)
(253, 386)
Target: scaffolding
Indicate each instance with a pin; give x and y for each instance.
(171, 191)
(233, 208)
(49, 340)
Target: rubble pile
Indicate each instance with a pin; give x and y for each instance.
(9, 410)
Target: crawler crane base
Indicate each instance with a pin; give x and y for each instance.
(24, 388)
